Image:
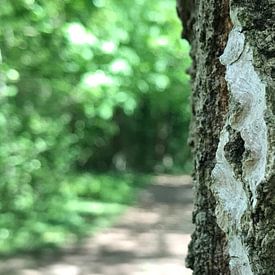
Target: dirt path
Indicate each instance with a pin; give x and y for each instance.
(148, 239)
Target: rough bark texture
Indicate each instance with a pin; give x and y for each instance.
(232, 135)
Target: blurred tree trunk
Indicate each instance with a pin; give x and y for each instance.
(232, 135)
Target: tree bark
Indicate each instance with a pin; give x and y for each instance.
(232, 135)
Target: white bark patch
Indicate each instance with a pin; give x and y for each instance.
(239, 262)
(231, 196)
(234, 47)
(246, 116)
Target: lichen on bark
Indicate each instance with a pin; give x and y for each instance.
(237, 194)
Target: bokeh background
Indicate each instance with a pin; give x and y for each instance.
(94, 100)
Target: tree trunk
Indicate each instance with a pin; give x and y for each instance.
(232, 135)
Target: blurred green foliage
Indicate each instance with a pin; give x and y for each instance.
(82, 205)
(85, 86)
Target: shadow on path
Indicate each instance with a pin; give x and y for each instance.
(150, 238)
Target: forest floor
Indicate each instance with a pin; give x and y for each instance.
(149, 238)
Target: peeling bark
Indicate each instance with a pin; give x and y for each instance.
(232, 136)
